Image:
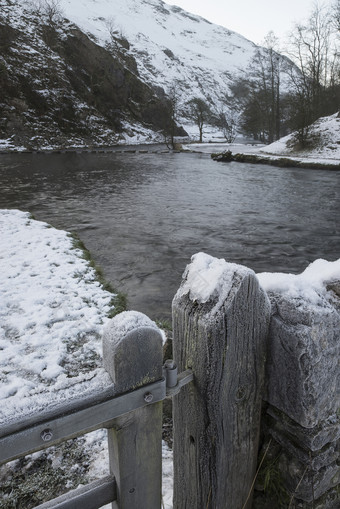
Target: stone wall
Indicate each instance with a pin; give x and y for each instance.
(301, 418)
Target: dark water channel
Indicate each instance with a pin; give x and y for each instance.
(142, 216)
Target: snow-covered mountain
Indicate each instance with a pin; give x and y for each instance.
(171, 46)
(75, 72)
(59, 88)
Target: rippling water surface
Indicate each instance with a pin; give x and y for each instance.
(142, 216)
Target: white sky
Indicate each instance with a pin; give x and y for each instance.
(252, 18)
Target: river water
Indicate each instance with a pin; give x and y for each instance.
(143, 215)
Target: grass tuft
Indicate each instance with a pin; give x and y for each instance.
(119, 300)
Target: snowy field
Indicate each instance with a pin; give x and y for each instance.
(52, 312)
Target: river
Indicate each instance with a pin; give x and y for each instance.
(142, 215)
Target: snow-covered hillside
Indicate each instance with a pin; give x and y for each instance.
(170, 45)
(98, 72)
(325, 141)
(323, 149)
(60, 89)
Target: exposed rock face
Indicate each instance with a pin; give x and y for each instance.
(59, 87)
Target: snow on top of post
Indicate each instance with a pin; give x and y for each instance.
(309, 285)
(126, 322)
(207, 277)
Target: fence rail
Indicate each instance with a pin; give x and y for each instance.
(130, 409)
(45, 432)
(92, 496)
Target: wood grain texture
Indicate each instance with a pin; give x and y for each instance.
(91, 496)
(135, 439)
(217, 418)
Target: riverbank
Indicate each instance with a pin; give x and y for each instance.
(53, 309)
(243, 153)
(282, 162)
(323, 151)
(133, 148)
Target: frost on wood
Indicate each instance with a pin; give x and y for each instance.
(220, 321)
(132, 350)
(132, 353)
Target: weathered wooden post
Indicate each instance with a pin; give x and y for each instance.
(220, 321)
(132, 352)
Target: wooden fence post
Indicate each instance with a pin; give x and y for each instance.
(220, 321)
(132, 352)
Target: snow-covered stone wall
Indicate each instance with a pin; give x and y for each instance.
(302, 418)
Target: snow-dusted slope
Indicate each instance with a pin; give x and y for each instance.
(63, 88)
(60, 89)
(325, 141)
(171, 46)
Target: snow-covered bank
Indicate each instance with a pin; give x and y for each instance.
(52, 311)
(324, 151)
(134, 135)
(325, 141)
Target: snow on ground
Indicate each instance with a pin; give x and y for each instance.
(326, 137)
(52, 311)
(52, 314)
(8, 145)
(213, 147)
(326, 149)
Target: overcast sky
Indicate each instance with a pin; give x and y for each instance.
(251, 18)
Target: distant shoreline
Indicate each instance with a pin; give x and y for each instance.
(281, 161)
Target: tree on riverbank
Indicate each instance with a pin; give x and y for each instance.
(260, 93)
(311, 77)
(315, 90)
(200, 113)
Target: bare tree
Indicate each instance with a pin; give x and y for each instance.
(117, 39)
(50, 10)
(226, 120)
(173, 112)
(259, 93)
(312, 49)
(274, 67)
(200, 113)
(53, 12)
(336, 14)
